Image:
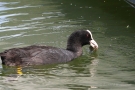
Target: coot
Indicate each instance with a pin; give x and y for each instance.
(39, 55)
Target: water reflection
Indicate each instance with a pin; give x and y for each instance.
(131, 2)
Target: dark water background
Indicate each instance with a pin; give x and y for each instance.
(50, 22)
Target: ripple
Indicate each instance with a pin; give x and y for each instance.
(10, 36)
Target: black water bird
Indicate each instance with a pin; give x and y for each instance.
(40, 55)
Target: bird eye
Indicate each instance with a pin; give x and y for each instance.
(87, 35)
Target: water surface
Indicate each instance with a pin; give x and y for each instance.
(50, 22)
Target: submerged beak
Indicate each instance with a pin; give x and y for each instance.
(93, 44)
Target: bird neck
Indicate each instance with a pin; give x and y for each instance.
(75, 47)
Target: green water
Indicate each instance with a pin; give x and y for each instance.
(50, 22)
